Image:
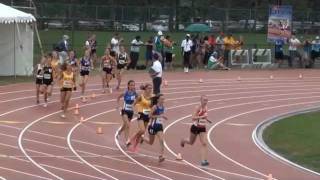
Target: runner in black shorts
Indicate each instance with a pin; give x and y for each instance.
(85, 67)
(198, 128)
(156, 128)
(47, 79)
(68, 83)
(129, 96)
(108, 63)
(122, 61)
(39, 78)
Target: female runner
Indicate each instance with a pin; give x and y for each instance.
(86, 65)
(129, 96)
(198, 128)
(67, 79)
(108, 63)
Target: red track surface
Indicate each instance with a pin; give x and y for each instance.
(35, 146)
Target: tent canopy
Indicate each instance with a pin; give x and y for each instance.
(10, 15)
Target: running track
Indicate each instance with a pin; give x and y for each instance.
(35, 143)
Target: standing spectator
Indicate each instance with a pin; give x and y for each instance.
(294, 43)
(159, 46)
(206, 51)
(219, 44)
(278, 51)
(307, 46)
(315, 52)
(134, 52)
(115, 45)
(63, 49)
(212, 41)
(156, 74)
(149, 49)
(229, 43)
(168, 48)
(186, 51)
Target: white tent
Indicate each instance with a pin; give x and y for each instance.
(16, 42)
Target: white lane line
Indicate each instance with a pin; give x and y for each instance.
(82, 106)
(222, 80)
(259, 142)
(115, 158)
(2, 178)
(71, 160)
(190, 87)
(74, 152)
(296, 82)
(249, 103)
(241, 114)
(238, 124)
(24, 173)
(137, 162)
(210, 90)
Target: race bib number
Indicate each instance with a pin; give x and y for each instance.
(146, 111)
(47, 76)
(67, 84)
(128, 107)
(39, 76)
(122, 61)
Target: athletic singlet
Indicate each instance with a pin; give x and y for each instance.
(158, 111)
(54, 65)
(39, 72)
(144, 105)
(129, 97)
(67, 80)
(47, 72)
(201, 122)
(73, 62)
(85, 64)
(107, 63)
(122, 58)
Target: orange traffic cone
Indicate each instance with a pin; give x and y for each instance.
(81, 119)
(93, 95)
(165, 83)
(270, 177)
(300, 76)
(110, 90)
(200, 80)
(239, 78)
(179, 157)
(99, 130)
(76, 111)
(271, 77)
(77, 106)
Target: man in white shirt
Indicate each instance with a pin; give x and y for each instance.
(156, 74)
(115, 44)
(294, 44)
(186, 51)
(134, 52)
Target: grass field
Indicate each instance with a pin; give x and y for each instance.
(297, 138)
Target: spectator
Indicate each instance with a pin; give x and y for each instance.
(156, 74)
(278, 51)
(63, 48)
(294, 43)
(168, 48)
(186, 51)
(229, 43)
(220, 44)
(159, 46)
(206, 51)
(134, 52)
(115, 45)
(307, 47)
(149, 49)
(315, 52)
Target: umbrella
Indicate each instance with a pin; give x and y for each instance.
(198, 28)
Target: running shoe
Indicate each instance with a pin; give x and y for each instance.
(45, 105)
(182, 143)
(161, 159)
(63, 116)
(204, 163)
